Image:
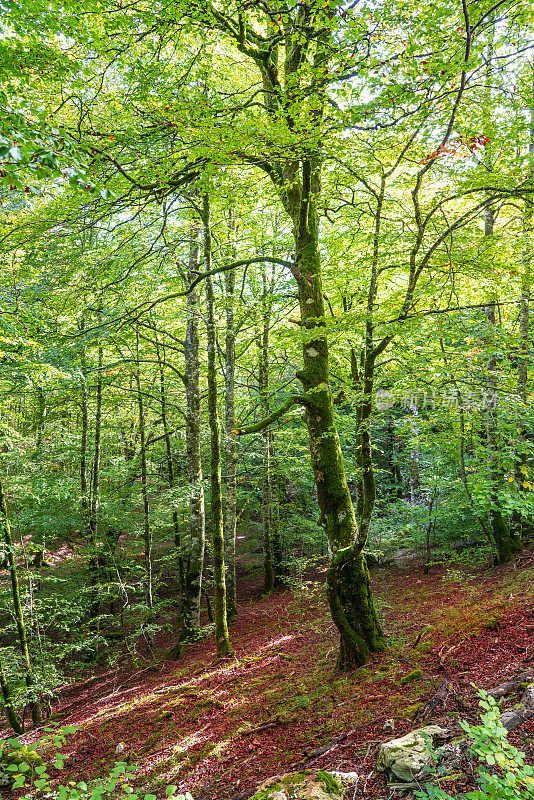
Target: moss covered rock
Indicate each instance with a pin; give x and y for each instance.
(414, 675)
(306, 785)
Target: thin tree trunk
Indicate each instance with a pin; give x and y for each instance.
(84, 501)
(504, 541)
(516, 523)
(170, 464)
(147, 534)
(94, 564)
(230, 510)
(276, 538)
(224, 647)
(190, 611)
(40, 424)
(17, 605)
(7, 697)
(263, 385)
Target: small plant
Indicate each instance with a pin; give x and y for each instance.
(509, 779)
(29, 771)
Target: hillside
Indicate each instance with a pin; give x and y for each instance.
(218, 729)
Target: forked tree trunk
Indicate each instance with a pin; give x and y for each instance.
(190, 611)
(224, 647)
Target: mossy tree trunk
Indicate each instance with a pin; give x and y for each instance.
(190, 610)
(224, 647)
(348, 583)
(230, 481)
(297, 180)
(17, 609)
(7, 697)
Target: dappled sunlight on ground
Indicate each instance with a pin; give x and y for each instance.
(219, 728)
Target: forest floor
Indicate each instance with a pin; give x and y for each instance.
(218, 729)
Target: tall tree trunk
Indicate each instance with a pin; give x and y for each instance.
(276, 538)
(504, 540)
(40, 422)
(190, 611)
(230, 509)
(263, 385)
(84, 500)
(147, 534)
(160, 353)
(94, 563)
(17, 606)
(7, 697)
(224, 647)
(348, 582)
(505, 543)
(516, 523)
(393, 463)
(415, 478)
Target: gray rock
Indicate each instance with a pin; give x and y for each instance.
(521, 712)
(408, 757)
(6, 778)
(348, 778)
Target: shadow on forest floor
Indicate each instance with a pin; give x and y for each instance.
(198, 723)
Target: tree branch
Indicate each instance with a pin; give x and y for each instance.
(266, 421)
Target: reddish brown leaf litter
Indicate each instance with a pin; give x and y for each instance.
(219, 729)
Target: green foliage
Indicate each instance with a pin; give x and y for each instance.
(508, 776)
(30, 771)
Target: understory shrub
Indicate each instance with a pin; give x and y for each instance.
(502, 774)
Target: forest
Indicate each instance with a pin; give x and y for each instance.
(266, 443)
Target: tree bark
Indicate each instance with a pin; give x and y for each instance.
(94, 562)
(84, 500)
(263, 386)
(230, 510)
(160, 354)
(516, 522)
(224, 647)
(17, 606)
(11, 714)
(147, 534)
(190, 611)
(348, 583)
